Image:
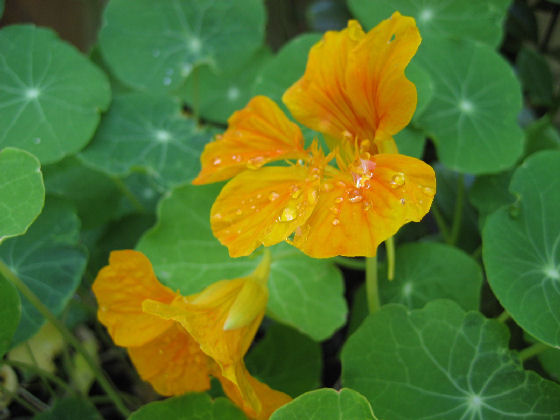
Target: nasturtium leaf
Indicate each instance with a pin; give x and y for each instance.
(304, 293)
(327, 15)
(156, 51)
(479, 20)
(440, 362)
(411, 142)
(326, 404)
(541, 135)
(70, 408)
(472, 116)
(284, 69)
(51, 94)
(426, 271)
(10, 312)
(286, 361)
(521, 249)
(95, 195)
(189, 407)
(550, 361)
(22, 192)
(49, 260)
(490, 192)
(424, 86)
(215, 96)
(148, 132)
(536, 77)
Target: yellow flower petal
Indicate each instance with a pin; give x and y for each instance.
(360, 208)
(263, 207)
(172, 363)
(120, 289)
(257, 134)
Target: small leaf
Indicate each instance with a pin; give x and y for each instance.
(51, 94)
(521, 250)
(411, 142)
(70, 408)
(189, 407)
(326, 404)
(542, 135)
(22, 192)
(442, 363)
(49, 260)
(286, 360)
(10, 313)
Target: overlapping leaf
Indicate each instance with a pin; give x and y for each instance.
(440, 362)
(51, 95)
(522, 248)
(10, 313)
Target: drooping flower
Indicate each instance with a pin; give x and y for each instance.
(354, 91)
(176, 343)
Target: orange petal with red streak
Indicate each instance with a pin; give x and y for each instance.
(257, 134)
(172, 363)
(120, 289)
(263, 207)
(357, 211)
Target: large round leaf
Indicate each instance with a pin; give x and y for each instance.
(442, 363)
(51, 94)
(305, 293)
(10, 313)
(473, 115)
(326, 404)
(480, 20)
(156, 48)
(522, 248)
(49, 260)
(147, 132)
(22, 192)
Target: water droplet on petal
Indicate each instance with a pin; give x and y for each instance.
(217, 216)
(397, 180)
(273, 196)
(288, 214)
(428, 191)
(356, 198)
(335, 222)
(367, 206)
(239, 212)
(255, 163)
(259, 196)
(296, 194)
(335, 210)
(338, 200)
(312, 196)
(236, 158)
(216, 161)
(327, 187)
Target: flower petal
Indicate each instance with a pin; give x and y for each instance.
(357, 211)
(172, 363)
(120, 289)
(257, 134)
(263, 207)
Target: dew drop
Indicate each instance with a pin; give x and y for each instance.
(327, 187)
(397, 180)
(217, 216)
(259, 196)
(338, 200)
(334, 210)
(273, 196)
(312, 196)
(367, 206)
(255, 163)
(428, 191)
(296, 194)
(355, 199)
(288, 214)
(236, 158)
(335, 222)
(239, 212)
(216, 161)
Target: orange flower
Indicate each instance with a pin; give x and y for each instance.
(177, 342)
(354, 91)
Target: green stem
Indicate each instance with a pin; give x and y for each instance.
(128, 194)
(67, 335)
(477, 252)
(532, 351)
(372, 291)
(440, 221)
(20, 400)
(350, 263)
(34, 360)
(503, 317)
(390, 248)
(41, 372)
(458, 211)
(196, 96)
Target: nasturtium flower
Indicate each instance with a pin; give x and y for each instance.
(354, 91)
(177, 342)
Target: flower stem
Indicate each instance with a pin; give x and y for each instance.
(440, 222)
(350, 263)
(532, 351)
(67, 335)
(390, 248)
(372, 291)
(458, 211)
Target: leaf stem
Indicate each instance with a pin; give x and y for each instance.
(351, 263)
(503, 317)
(20, 400)
(458, 211)
(34, 360)
(390, 248)
(532, 351)
(440, 222)
(41, 372)
(372, 291)
(67, 335)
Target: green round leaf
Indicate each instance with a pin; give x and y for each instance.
(156, 48)
(453, 18)
(70, 408)
(10, 313)
(147, 132)
(473, 115)
(521, 249)
(542, 135)
(217, 95)
(304, 293)
(442, 363)
(189, 407)
(428, 270)
(22, 192)
(49, 260)
(424, 86)
(326, 404)
(51, 94)
(535, 76)
(286, 361)
(489, 193)
(411, 142)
